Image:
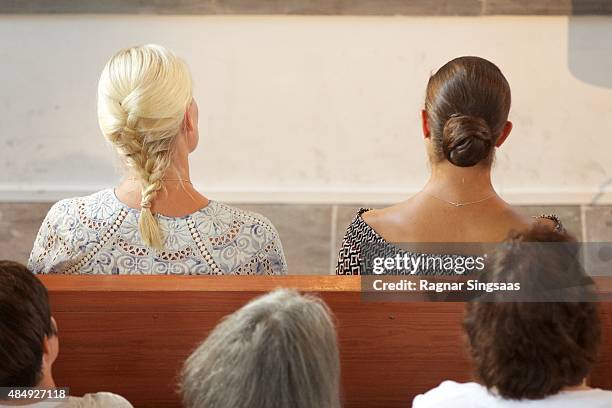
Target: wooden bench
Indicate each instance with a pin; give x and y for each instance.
(130, 335)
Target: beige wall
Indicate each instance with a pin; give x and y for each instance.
(310, 109)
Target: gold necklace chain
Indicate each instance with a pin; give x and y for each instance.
(458, 204)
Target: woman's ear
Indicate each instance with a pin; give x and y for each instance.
(504, 135)
(51, 346)
(425, 123)
(187, 121)
(190, 126)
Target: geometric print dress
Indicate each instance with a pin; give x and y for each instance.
(362, 242)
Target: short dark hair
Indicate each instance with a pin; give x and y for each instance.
(530, 350)
(467, 103)
(25, 321)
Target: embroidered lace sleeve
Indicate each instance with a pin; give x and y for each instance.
(51, 247)
(270, 258)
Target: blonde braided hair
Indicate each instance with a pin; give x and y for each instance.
(143, 94)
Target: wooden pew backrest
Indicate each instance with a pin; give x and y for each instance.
(131, 334)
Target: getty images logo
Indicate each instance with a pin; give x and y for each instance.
(410, 264)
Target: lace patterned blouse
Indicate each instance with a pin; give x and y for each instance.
(361, 242)
(98, 234)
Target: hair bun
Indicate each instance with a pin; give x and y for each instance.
(466, 140)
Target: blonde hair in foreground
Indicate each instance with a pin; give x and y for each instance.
(143, 94)
(278, 351)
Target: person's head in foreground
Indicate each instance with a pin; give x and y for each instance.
(535, 354)
(278, 351)
(28, 338)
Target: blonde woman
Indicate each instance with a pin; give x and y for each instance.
(154, 222)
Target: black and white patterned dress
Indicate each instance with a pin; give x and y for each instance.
(361, 241)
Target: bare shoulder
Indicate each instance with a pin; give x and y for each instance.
(549, 221)
(512, 217)
(391, 222)
(521, 220)
(383, 216)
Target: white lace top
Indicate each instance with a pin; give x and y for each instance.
(98, 234)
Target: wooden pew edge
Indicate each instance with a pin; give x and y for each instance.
(142, 283)
(131, 283)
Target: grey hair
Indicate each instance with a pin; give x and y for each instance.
(278, 351)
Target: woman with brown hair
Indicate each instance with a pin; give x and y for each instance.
(535, 350)
(465, 119)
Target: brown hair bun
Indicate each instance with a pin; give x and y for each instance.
(467, 104)
(466, 140)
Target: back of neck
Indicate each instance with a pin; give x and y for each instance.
(459, 183)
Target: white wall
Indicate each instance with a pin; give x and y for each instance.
(297, 109)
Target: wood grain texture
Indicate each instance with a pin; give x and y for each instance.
(601, 376)
(130, 335)
(133, 342)
(80, 283)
